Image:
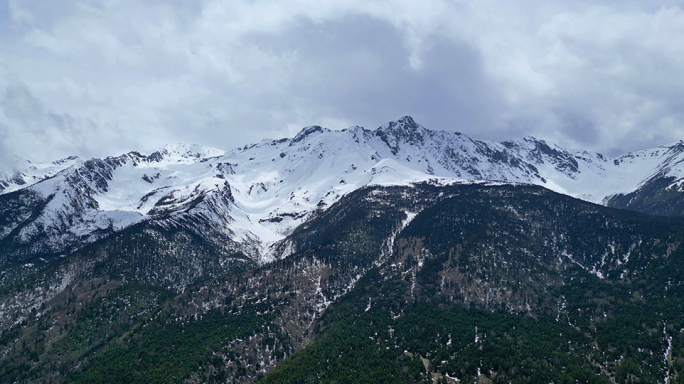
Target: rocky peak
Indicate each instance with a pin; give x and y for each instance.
(408, 123)
(404, 130)
(677, 147)
(404, 125)
(306, 132)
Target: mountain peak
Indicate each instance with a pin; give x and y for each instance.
(404, 124)
(188, 151)
(403, 130)
(674, 144)
(64, 160)
(408, 122)
(307, 131)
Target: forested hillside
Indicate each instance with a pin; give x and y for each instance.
(421, 283)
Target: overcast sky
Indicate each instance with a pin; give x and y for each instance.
(103, 77)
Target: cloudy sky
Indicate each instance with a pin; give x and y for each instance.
(101, 77)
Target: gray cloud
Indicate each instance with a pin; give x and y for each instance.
(356, 70)
(29, 130)
(7, 160)
(95, 78)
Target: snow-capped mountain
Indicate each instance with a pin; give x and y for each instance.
(256, 195)
(27, 173)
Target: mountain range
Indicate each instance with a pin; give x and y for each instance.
(282, 253)
(258, 194)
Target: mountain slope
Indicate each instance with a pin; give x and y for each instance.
(510, 284)
(546, 278)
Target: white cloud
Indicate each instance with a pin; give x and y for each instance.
(112, 75)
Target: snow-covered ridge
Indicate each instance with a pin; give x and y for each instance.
(27, 173)
(261, 192)
(188, 151)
